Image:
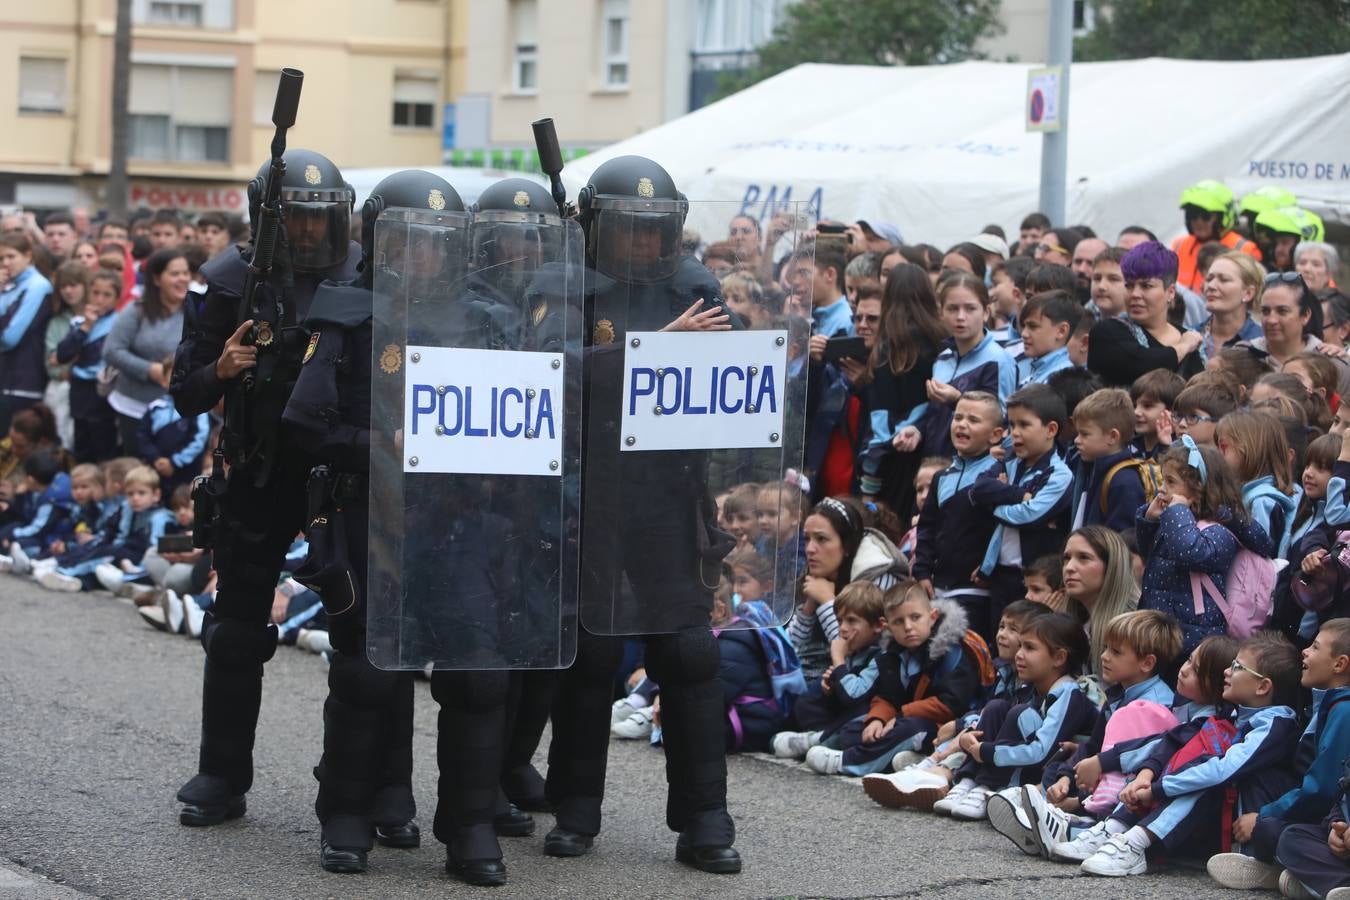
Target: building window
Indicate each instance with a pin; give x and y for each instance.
(174, 12)
(264, 95)
(42, 85)
(415, 100)
(1084, 17)
(181, 113)
(184, 13)
(614, 43)
(525, 46)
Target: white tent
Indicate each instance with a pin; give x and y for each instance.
(942, 151)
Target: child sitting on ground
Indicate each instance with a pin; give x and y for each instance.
(1043, 582)
(172, 445)
(1319, 761)
(41, 513)
(1138, 645)
(848, 685)
(934, 670)
(1180, 793)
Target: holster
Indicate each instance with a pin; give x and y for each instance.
(207, 493)
(327, 570)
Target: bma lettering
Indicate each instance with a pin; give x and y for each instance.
(722, 390)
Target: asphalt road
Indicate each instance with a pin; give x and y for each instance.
(99, 717)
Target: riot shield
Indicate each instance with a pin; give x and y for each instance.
(475, 441)
(679, 417)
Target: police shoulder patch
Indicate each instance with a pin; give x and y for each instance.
(309, 350)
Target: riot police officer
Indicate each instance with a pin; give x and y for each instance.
(368, 714)
(647, 532)
(259, 505)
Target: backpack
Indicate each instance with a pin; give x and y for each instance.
(1150, 476)
(974, 648)
(1211, 741)
(1251, 590)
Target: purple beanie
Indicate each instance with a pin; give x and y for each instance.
(1149, 260)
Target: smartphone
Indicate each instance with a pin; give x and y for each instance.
(831, 228)
(846, 348)
(174, 543)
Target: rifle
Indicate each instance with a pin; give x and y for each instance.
(258, 301)
(550, 160)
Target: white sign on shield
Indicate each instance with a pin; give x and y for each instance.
(483, 412)
(716, 390)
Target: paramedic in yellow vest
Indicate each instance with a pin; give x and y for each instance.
(1210, 216)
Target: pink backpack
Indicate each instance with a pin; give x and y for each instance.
(1251, 590)
(1136, 719)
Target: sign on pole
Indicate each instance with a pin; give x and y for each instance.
(1043, 107)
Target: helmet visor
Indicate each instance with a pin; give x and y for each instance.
(319, 232)
(636, 246)
(510, 247)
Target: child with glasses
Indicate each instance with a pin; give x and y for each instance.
(1198, 408)
(1238, 761)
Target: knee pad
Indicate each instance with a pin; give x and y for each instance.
(471, 690)
(231, 642)
(353, 680)
(688, 656)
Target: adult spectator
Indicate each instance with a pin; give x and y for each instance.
(1120, 350)
(24, 311)
(1056, 246)
(1084, 257)
(1291, 320)
(58, 235)
(79, 216)
(863, 271)
(1210, 214)
(1232, 289)
(720, 259)
(873, 236)
(164, 228)
(994, 247)
(33, 430)
(1033, 227)
(112, 230)
(1098, 580)
(1335, 318)
(1318, 263)
(141, 344)
(1132, 236)
(744, 237)
(213, 232)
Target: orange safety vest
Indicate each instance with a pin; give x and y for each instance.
(1187, 249)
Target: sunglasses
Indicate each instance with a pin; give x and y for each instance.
(1051, 248)
(869, 319)
(1283, 278)
(1236, 666)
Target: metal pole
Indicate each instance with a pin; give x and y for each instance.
(1055, 144)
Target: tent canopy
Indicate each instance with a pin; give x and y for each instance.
(942, 151)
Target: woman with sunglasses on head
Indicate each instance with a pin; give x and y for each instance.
(1291, 323)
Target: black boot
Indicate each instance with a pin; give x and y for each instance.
(513, 823)
(716, 860)
(481, 872)
(561, 842)
(402, 837)
(341, 860)
(207, 801)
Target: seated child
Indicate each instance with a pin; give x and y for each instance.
(780, 509)
(1013, 743)
(1316, 858)
(172, 445)
(934, 670)
(1318, 761)
(1043, 582)
(1154, 394)
(1197, 485)
(1179, 799)
(739, 514)
(757, 664)
(847, 686)
(42, 513)
(1030, 502)
(1138, 645)
(1108, 486)
(142, 522)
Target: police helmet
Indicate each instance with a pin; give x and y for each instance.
(1210, 196)
(318, 205)
(421, 250)
(634, 219)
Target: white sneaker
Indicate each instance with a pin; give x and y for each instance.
(109, 576)
(636, 727)
(193, 615)
(43, 565)
(1049, 825)
(6, 563)
(794, 744)
(22, 564)
(1082, 847)
(154, 617)
(954, 796)
(1242, 873)
(824, 761)
(621, 710)
(173, 611)
(1291, 887)
(1116, 858)
(55, 581)
(910, 789)
(315, 640)
(974, 806)
(906, 758)
(1010, 820)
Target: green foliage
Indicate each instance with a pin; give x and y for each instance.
(872, 33)
(1205, 29)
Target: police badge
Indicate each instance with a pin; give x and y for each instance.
(603, 332)
(521, 199)
(391, 360)
(312, 175)
(309, 350)
(435, 199)
(645, 189)
(264, 334)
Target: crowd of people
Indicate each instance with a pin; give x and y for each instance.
(1066, 551)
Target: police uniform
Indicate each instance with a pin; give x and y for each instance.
(260, 505)
(655, 534)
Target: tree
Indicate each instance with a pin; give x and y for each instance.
(121, 81)
(1203, 29)
(872, 33)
